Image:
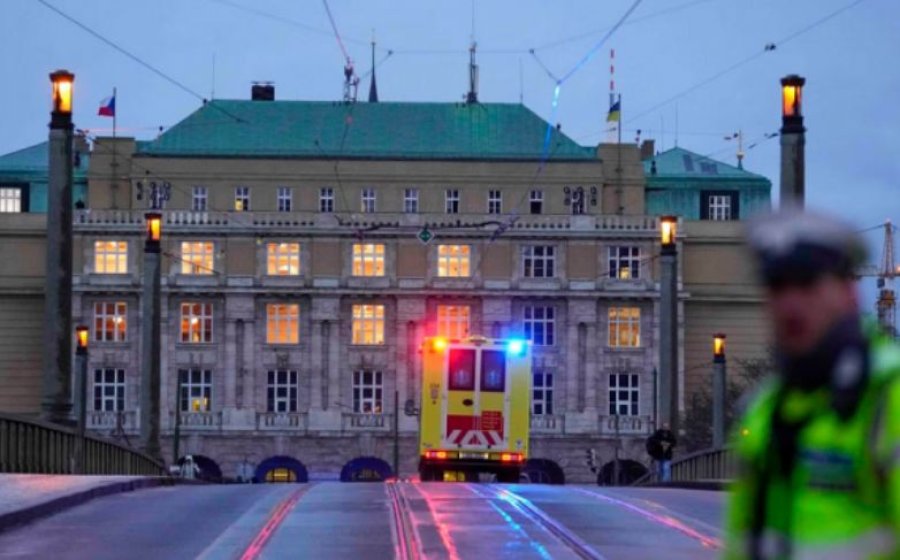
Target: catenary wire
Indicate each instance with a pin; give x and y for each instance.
(180, 85)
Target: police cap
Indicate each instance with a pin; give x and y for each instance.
(797, 248)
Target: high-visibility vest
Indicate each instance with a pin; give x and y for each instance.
(841, 500)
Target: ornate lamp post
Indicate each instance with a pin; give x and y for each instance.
(150, 339)
(719, 386)
(793, 142)
(668, 323)
(56, 404)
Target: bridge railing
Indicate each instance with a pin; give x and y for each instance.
(28, 446)
(709, 465)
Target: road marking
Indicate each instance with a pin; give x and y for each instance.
(441, 527)
(666, 520)
(540, 518)
(255, 548)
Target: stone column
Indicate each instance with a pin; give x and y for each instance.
(324, 414)
(231, 365)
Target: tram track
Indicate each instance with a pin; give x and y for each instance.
(407, 542)
(539, 517)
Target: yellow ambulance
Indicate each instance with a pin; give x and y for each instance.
(476, 407)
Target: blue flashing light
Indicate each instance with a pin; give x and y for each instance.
(516, 347)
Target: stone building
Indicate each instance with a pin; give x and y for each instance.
(297, 283)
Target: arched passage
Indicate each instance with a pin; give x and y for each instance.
(208, 469)
(629, 471)
(366, 469)
(281, 468)
(543, 471)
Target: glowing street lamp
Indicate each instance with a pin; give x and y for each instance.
(154, 228)
(82, 337)
(668, 232)
(62, 92)
(719, 347)
(792, 97)
(793, 142)
(719, 385)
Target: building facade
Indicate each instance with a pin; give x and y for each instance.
(308, 248)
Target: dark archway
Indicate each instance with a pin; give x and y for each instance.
(209, 469)
(629, 471)
(281, 468)
(366, 469)
(543, 471)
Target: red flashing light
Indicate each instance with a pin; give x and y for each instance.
(439, 455)
(510, 457)
(439, 344)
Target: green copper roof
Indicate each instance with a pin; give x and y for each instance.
(316, 129)
(678, 163)
(34, 160)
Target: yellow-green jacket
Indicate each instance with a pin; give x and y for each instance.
(842, 500)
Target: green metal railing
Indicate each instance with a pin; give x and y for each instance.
(708, 465)
(28, 446)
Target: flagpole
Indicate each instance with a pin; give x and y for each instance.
(618, 124)
(115, 165)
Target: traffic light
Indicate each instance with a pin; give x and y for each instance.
(591, 459)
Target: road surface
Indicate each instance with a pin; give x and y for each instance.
(406, 520)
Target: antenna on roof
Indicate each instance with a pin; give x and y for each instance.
(373, 88)
(521, 84)
(472, 96)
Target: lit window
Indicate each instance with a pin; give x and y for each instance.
(540, 324)
(367, 200)
(542, 393)
(282, 323)
(453, 261)
(109, 389)
(367, 391)
(242, 199)
(326, 200)
(197, 257)
(495, 202)
(624, 394)
(368, 259)
(111, 257)
(199, 199)
(411, 201)
(368, 324)
(283, 259)
(10, 199)
(453, 321)
(282, 391)
(624, 327)
(451, 201)
(110, 321)
(720, 207)
(539, 261)
(625, 262)
(536, 200)
(196, 390)
(196, 323)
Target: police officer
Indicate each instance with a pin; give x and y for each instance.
(819, 448)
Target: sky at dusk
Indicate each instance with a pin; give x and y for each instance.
(666, 47)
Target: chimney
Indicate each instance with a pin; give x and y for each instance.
(262, 91)
(647, 149)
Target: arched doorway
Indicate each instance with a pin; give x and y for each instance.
(206, 467)
(543, 471)
(366, 469)
(281, 468)
(629, 471)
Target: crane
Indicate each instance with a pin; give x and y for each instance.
(886, 304)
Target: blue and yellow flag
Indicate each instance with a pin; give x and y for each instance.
(615, 112)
